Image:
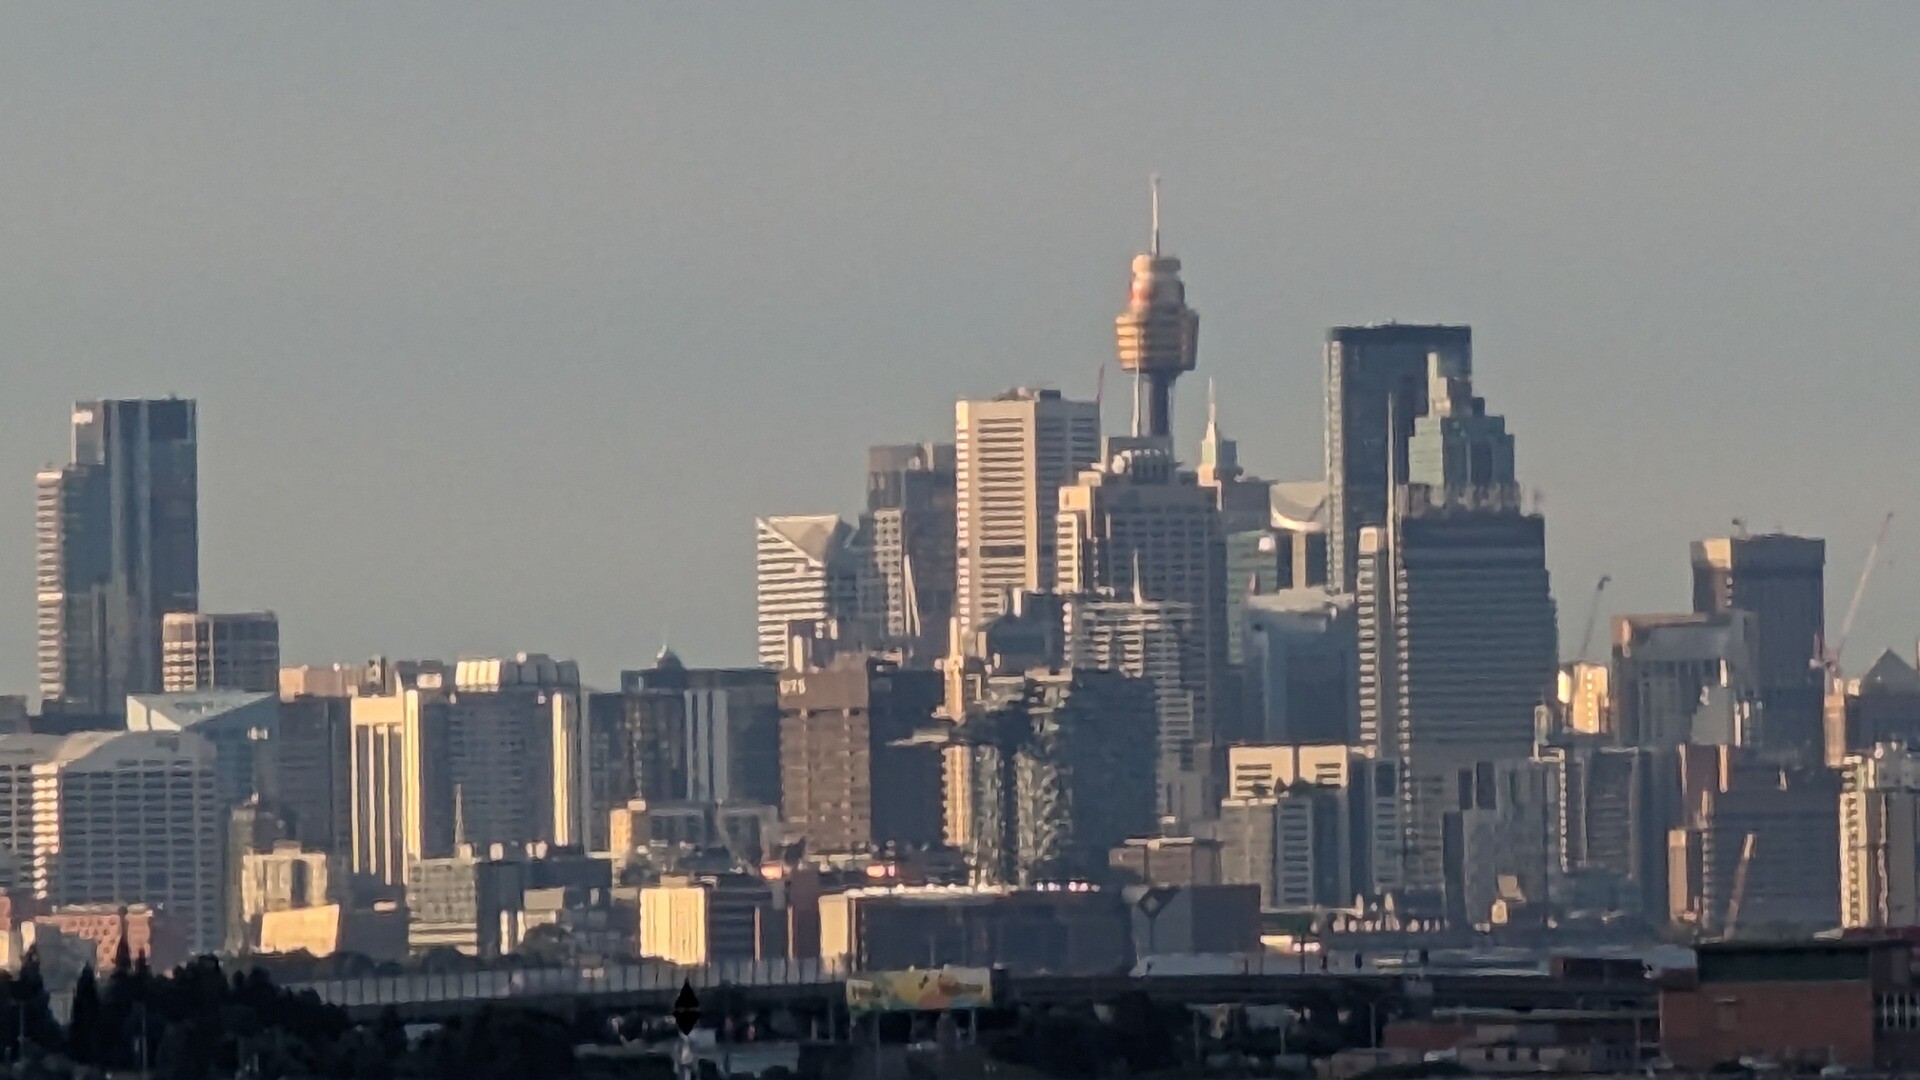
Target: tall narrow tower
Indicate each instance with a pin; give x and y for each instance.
(1157, 335)
(118, 549)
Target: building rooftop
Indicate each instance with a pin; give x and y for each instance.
(813, 535)
(105, 749)
(1891, 674)
(181, 711)
(1299, 505)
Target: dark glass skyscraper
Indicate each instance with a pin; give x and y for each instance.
(1368, 367)
(118, 538)
(909, 527)
(1780, 579)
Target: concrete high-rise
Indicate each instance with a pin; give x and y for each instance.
(809, 568)
(1156, 640)
(1376, 378)
(204, 651)
(707, 735)
(847, 781)
(118, 818)
(1781, 579)
(909, 529)
(1012, 455)
(118, 547)
(1880, 837)
(1686, 679)
(1137, 526)
(1158, 335)
(516, 750)
(403, 806)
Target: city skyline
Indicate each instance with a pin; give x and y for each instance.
(1663, 381)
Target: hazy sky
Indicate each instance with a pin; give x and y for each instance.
(505, 321)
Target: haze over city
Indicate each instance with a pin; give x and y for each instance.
(504, 327)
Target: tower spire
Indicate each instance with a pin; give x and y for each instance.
(1155, 335)
(1154, 182)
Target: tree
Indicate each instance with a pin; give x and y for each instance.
(83, 1024)
(549, 944)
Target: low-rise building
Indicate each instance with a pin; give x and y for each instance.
(1166, 860)
(708, 919)
(1056, 929)
(1813, 1004)
(147, 932)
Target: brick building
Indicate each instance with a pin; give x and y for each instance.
(1818, 1003)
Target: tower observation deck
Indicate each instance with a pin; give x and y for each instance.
(1158, 334)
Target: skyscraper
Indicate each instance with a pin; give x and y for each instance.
(1245, 507)
(709, 735)
(810, 568)
(1138, 526)
(1375, 375)
(1780, 579)
(1011, 456)
(1686, 679)
(1880, 837)
(203, 651)
(847, 781)
(118, 547)
(1158, 335)
(909, 526)
(403, 803)
(1156, 640)
(516, 750)
(107, 817)
(1458, 646)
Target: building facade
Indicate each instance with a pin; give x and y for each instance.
(120, 818)
(808, 569)
(203, 651)
(1880, 838)
(117, 548)
(1012, 454)
(1376, 385)
(1781, 579)
(846, 781)
(909, 528)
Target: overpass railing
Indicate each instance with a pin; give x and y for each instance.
(609, 979)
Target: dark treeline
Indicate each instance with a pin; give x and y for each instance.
(198, 1022)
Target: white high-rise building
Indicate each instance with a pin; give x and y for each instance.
(1880, 838)
(810, 568)
(117, 817)
(1012, 455)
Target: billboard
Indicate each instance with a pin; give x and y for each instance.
(933, 990)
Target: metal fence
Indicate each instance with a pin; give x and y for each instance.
(567, 982)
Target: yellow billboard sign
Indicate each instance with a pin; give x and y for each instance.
(933, 990)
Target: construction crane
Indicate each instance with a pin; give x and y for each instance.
(1830, 657)
(1739, 888)
(1593, 616)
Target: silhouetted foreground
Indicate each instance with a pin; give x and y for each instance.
(199, 1022)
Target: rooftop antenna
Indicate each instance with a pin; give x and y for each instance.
(1213, 405)
(459, 817)
(1154, 181)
